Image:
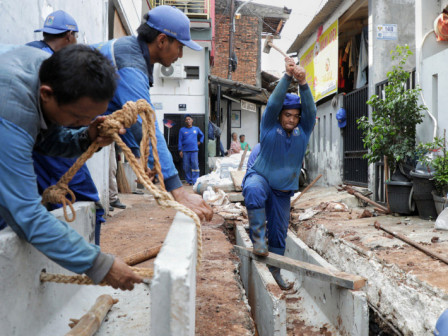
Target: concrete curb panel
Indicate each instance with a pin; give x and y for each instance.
(173, 289)
(28, 306)
(265, 297)
(345, 309)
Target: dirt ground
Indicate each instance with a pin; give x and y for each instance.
(220, 306)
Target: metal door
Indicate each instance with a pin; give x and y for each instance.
(172, 139)
(355, 166)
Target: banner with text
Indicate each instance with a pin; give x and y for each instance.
(321, 63)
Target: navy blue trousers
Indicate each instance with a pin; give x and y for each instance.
(258, 194)
(191, 166)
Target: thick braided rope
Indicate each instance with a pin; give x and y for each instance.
(145, 273)
(127, 116)
(57, 193)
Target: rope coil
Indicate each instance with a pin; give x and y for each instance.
(125, 117)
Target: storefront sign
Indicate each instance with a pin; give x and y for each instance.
(321, 63)
(248, 106)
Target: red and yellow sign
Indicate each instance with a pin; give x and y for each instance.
(321, 63)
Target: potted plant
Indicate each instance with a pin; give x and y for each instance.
(390, 134)
(434, 155)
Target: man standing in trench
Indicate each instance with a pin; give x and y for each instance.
(285, 130)
(40, 97)
(161, 37)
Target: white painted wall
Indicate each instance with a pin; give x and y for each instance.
(167, 94)
(326, 147)
(21, 18)
(249, 124)
(431, 68)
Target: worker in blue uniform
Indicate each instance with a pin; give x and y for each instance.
(60, 30)
(268, 185)
(189, 148)
(161, 37)
(44, 102)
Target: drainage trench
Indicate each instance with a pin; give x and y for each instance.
(298, 316)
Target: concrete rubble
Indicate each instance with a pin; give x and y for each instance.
(407, 289)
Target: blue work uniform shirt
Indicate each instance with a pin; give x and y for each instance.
(24, 129)
(281, 154)
(188, 139)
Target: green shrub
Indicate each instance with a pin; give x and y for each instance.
(391, 131)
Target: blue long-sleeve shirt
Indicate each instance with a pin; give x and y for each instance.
(188, 139)
(132, 60)
(24, 129)
(281, 155)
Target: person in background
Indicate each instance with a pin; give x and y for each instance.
(270, 182)
(44, 102)
(189, 148)
(234, 145)
(161, 37)
(60, 30)
(214, 133)
(243, 142)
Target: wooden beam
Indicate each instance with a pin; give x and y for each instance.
(306, 189)
(142, 256)
(90, 322)
(341, 279)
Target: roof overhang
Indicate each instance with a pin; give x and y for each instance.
(238, 90)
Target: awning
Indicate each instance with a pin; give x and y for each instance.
(238, 90)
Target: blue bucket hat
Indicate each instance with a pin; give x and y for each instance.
(292, 101)
(172, 22)
(58, 22)
(341, 117)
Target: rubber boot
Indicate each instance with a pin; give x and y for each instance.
(275, 271)
(257, 222)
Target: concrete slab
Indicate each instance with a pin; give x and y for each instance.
(265, 297)
(21, 291)
(173, 289)
(313, 306)
(327, 304)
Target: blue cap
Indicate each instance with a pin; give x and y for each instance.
(58, 22)
(187, 116)
(292, 101)
(341, 117)
(172, 22)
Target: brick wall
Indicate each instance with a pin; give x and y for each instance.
(246, 47)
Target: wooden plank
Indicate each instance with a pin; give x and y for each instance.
(90, 322)
(226, 187)
(237, 178)
(235, 197)
(142, 256)
(240, 166)
(341, 279)
(306, 189)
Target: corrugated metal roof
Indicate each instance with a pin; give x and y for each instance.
(320, 18)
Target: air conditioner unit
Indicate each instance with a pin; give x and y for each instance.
(174, 71)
